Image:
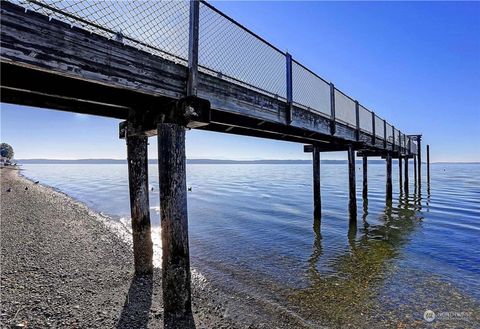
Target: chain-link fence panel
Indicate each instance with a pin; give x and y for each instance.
(158, 27)
(365, 117)
(389, 133)
(414, 146)
(309, 90)
(345, 109)
(379, 128)
(231, 52)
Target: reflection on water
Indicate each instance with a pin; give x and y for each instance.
(252, 231)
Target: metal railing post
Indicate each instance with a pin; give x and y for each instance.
(357, 119)
(400, 142)
(384, 134)
(393, 138)
(373, 128)
(332, 109)
(288, 115)
(192, 82)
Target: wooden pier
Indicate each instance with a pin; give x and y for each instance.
(63, 58)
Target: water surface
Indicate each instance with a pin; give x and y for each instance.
(252, 233)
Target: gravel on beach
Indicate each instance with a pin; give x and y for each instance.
(61, 267)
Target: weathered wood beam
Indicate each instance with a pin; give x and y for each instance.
(325, 147)
(56, 102)
(191, 111)
(137, 158)
(176, 281)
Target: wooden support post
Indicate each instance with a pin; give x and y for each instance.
(317, 201)
(389, 188)
(400, 178)
(139, 205)
(332, 109)
(415, 170)
(352, 204)
(365, 178)
(174, 224)
(419, 154)
(428, 164)
(405, 187)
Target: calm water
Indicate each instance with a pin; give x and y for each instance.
(251, 229)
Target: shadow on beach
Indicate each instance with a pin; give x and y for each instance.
(136, 309)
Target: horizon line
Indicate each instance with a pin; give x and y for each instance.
(229, 160)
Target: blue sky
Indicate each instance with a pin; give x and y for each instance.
(415, 64)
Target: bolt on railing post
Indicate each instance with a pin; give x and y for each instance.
(373, 128)
(332, 109)
(192, 82)
(357, 119)
(289, 84)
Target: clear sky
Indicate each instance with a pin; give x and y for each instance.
(415, 64)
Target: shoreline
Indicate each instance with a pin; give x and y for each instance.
(63, 266)
(99, 298)
(74, 266)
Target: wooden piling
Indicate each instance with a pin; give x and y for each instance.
(365, 178)
(400, 172)
(174, 224)
(137, 157)
(389, 188)
(352, 205)
(428, 164)
(415, 171)
(419, 154)
(405, 187)
(317, 201)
